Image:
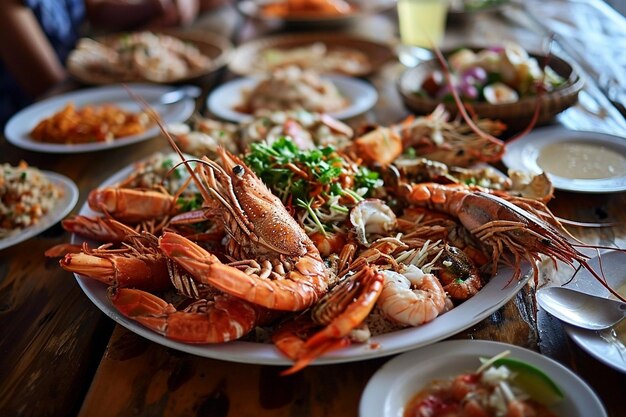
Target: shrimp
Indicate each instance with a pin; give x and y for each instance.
(524, 232)
(222, 319)
(138, 264)
(412, 297)
(132, 205)
(343, 309)
(276, 264)
(458, 274)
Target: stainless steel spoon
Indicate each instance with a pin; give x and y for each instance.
(179, 94)
(581, 309)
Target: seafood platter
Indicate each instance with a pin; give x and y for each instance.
(294, 238)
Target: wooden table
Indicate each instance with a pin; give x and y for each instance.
(61, 356)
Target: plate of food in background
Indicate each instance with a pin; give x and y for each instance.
(158, 57)
(589, 162)
(291, 89)
(31, 201)
(323, 52)
(311, 12)
(496, 82)
(94, 119)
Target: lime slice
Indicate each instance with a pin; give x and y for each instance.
(539, 386)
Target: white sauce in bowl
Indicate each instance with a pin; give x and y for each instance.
(581, 161)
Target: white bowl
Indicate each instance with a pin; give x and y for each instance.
(392, 386)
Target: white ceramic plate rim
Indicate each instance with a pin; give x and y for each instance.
(393, 384)
(17, 131)
(61, 209)
(522, 155)
(496, 293)
(610, 353)
(361, 94)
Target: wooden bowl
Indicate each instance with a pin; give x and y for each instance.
(215, 47)
(248, 58)
(513, 114)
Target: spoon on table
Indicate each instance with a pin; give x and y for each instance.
(179, 94)
(581, 309)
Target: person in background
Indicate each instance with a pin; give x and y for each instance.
(36, 37)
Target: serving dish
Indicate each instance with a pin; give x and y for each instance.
(491, 297)
(217, 48)
(17, 130)
(393, 385)
(526, 154)
(253, 9)
(518, 113)
(224, 99)
(249, 58)
(62, 208)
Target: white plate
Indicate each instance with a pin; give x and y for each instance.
(225, 98)
(600, 344)
(489, 299)
(17, 130)
(61, 209)
(522, 155)
(393, 385)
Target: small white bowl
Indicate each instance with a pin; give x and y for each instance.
(392, 386)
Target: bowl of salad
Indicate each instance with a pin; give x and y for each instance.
(503, 82)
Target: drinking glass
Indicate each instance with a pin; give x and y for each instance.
(422, 25)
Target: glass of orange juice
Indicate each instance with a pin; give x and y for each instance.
(422, 25)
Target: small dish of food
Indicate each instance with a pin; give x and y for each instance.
(159, 57)
(322, 52)
(93, 119)
(31, 201)
(500, 82)
(488, 377)
(578, 161)
(292, 89)
(311, 12)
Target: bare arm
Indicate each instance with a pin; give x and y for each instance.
(26, 51)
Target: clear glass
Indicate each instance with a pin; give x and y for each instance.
(422, 25)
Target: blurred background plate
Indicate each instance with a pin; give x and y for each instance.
(62, 208)
(580, 153)
(225, 98)
(217, 48)
(254, 9)
(255, 57)
(18, 130)
(517, 114)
